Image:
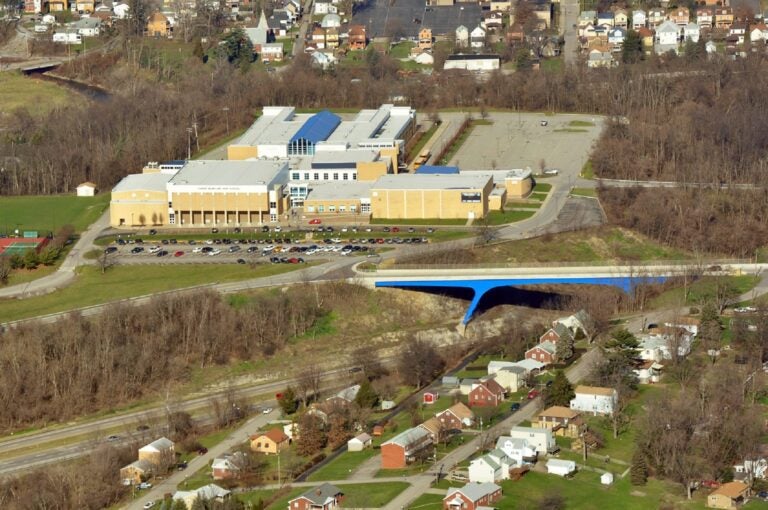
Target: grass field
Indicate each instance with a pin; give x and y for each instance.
(701, 290)
(504, 217)
(342, 466)
(401, 50)
(542, 187)
(37, 96)
(48, 213)
(119, 282)
(587, 172)
(584, 192)
(422, 141)
(371, 495)
(428, 221)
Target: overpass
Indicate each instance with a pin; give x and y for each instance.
(482, 280)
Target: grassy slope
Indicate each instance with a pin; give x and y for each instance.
(92, 287)
(37, 96)
(46, 213)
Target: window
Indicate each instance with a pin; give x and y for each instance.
(325, 176)
(366, 208)
(345, 176)
(472, 198)
(295, 176)
(331, 208)
(170, 205)
(310, 208)
(317, 176)
(354, 177)
(172, 219)
(272, 205)
(352, 208)
(335, 176)
(342, 208)
(320, 208)
(273, 217)
(306, 176)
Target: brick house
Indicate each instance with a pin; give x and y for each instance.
(159, 453)
(228, 466)
(270, 442)
(556, 333)
(357, 37)
(136, 472)
(562, 421)
(545, 352)
(486, 393)
(404, 448)
(322, 497)
(456, 417)
(472, 496)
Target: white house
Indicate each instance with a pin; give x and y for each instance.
(517, 449)
(659, 347)
(87, 27)
(579, 321)
(540, 440)
(594, 399)
(121, 10)
(691, 32)
(48, 19)
(648, 372)
(586, 18)
(600, 57)
(86, 189)
(639, 19)
(666, 37)
(616, 37)
(511, 378)
(359, 443)
(68, 36)
(530, 365)
(322, 59)
(462, 36)
(561, 467)
(324, 7)
(759, 32)
(491, 467)
(710, 47)
(424, 58)
(210, 492)
(477, 37)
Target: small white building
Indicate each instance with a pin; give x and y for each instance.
(121, 10)
(666, 37)
(324, 7)
(491, 467)
(478, 63)
(639, 19)
(561, 467)
(87, 27)
(424, 58)
(594, 399)
(68, 36)
(511, 378)
(541, 440)
(49, 19)
(477, 37)
(86, 189)
(517, 449)
(462, 36)
(359, 443)
(606, 478)
(691, 32)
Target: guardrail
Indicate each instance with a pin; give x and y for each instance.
(704, 265)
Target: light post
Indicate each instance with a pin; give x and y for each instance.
(189, 143)
(226, 116)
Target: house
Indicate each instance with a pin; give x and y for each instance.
(710, 47)
(680, 16)
(318, 38)
(531, 366)
(605, 18)
(330, 20)
(561, 467)
(759, 32)
(728, 495)
(332, 37)
(136, 472)
(462, 36)
(648, 371)
(690, 324)
(656, 17)
(495, 366)
(477, 37)
(511, 378)
(359, 443)
(270, 442)
(639, 19)
(58, 5)
(723, 17)
(515, 34)
(450, 381)
(87, 27)
(158, 25)
(517, 449)
(435, 429)
(67, 36)
(562, 421)
(620, 18)
(594, 399)
(738, 30)
(160, 452)
(492, 20)
(425, 39)
(646, 37)
(228, 466)
(751, 469)
(405, 448)
(210, 492)
(322, 497)
(705, 17)
(666, 37)
(486, 393)
(660, 346)
(472, 496)
(559, 331)
(545, 352)
(691, 32)
(429, 397)
(271, 52)
(616, 37)
(86, 189)
(586, 18)
(121, 10)
(85, 6)
(357, 39)
(324, 7)
(491, 467)
(456, 417)
(541, 440)
(467, 385)
(344, 397)
(425, 59)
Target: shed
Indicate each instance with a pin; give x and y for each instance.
(86, 189)
(359, 443)
(386, 405)
(430, 397)
(561, 467)
(378, 430)
(606, 478)
(451, 381)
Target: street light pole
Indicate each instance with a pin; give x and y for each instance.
(189, 143)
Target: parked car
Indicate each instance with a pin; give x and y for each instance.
(137, 249)
(241, 261)
(395, 229)
(551, 171)
(266, 410)
(264, 229)
(278, 229)
(544, 123)
(161, 253)
(110, 249)
(149, 504)
(202, 451)
(182, 466)
(152, 231)
(315, 221)
(532, 394)
(113, 438)
(234, 248)
(178, 253)
(514, 407)
(142, 428)
(145, 485)
(154, 249)
(214, 231)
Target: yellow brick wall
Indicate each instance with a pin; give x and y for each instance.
(371, 171)
(416, 204)
(518, 188)
(131, 206)
(346, 202)
(240, 152)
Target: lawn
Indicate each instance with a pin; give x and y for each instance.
(523, 205)
(542, 187)
(427, 501)
(504, 217)
(581, 123)
(584, 192)
(552, 64)
(702, 289)
(401, 50)
(427, 221)
(371, 495)
(92, 287)
(422, 141)
(342, 466)
(48, 213)
(587, 172)
(37, 96)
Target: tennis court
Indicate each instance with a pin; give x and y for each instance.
(19, 246)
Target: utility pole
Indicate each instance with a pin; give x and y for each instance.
(189, 144)
(197, 139)
(226, 116)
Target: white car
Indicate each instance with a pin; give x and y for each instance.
(310, 251)
(149, 504)
(346, 252)
(209, 241)
(278, 229)
(336, 240)
(154, 249)
(214, 252)
(266, 410)
(197, 250)
(145, 485)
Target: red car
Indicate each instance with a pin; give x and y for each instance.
(315, 221)
(395, 230)
(533, 394)
(178, 253)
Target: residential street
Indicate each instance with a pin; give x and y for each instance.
(570, 33)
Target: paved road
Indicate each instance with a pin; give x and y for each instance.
(66, 272)
(306, 22)
(626, 183)
(569, 19)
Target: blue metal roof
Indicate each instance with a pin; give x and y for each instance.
(318, 128)
(432, 169)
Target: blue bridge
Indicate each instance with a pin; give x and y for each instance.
(481, 286)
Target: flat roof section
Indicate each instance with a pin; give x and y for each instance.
(143, 182)
(335, 190)
(328, 159)
(431, 181)
(276, 126)
(386, 123)
(216, 174)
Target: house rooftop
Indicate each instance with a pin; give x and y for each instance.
(158, 445)
(731, 489)
(474, 491)
(372, 128)
(408, 437)
(319, 495)
(276, 435)
(595, 390)
(559, 412)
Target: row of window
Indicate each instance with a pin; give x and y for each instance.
(364, 208)
(345, 176)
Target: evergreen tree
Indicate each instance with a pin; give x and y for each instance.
(366, 397)
(624, 343)
(564, 348)
(560, 392)
(638, 471)
(288, 401)
(631, 48)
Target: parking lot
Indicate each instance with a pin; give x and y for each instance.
(520, 140)
(404, 18)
